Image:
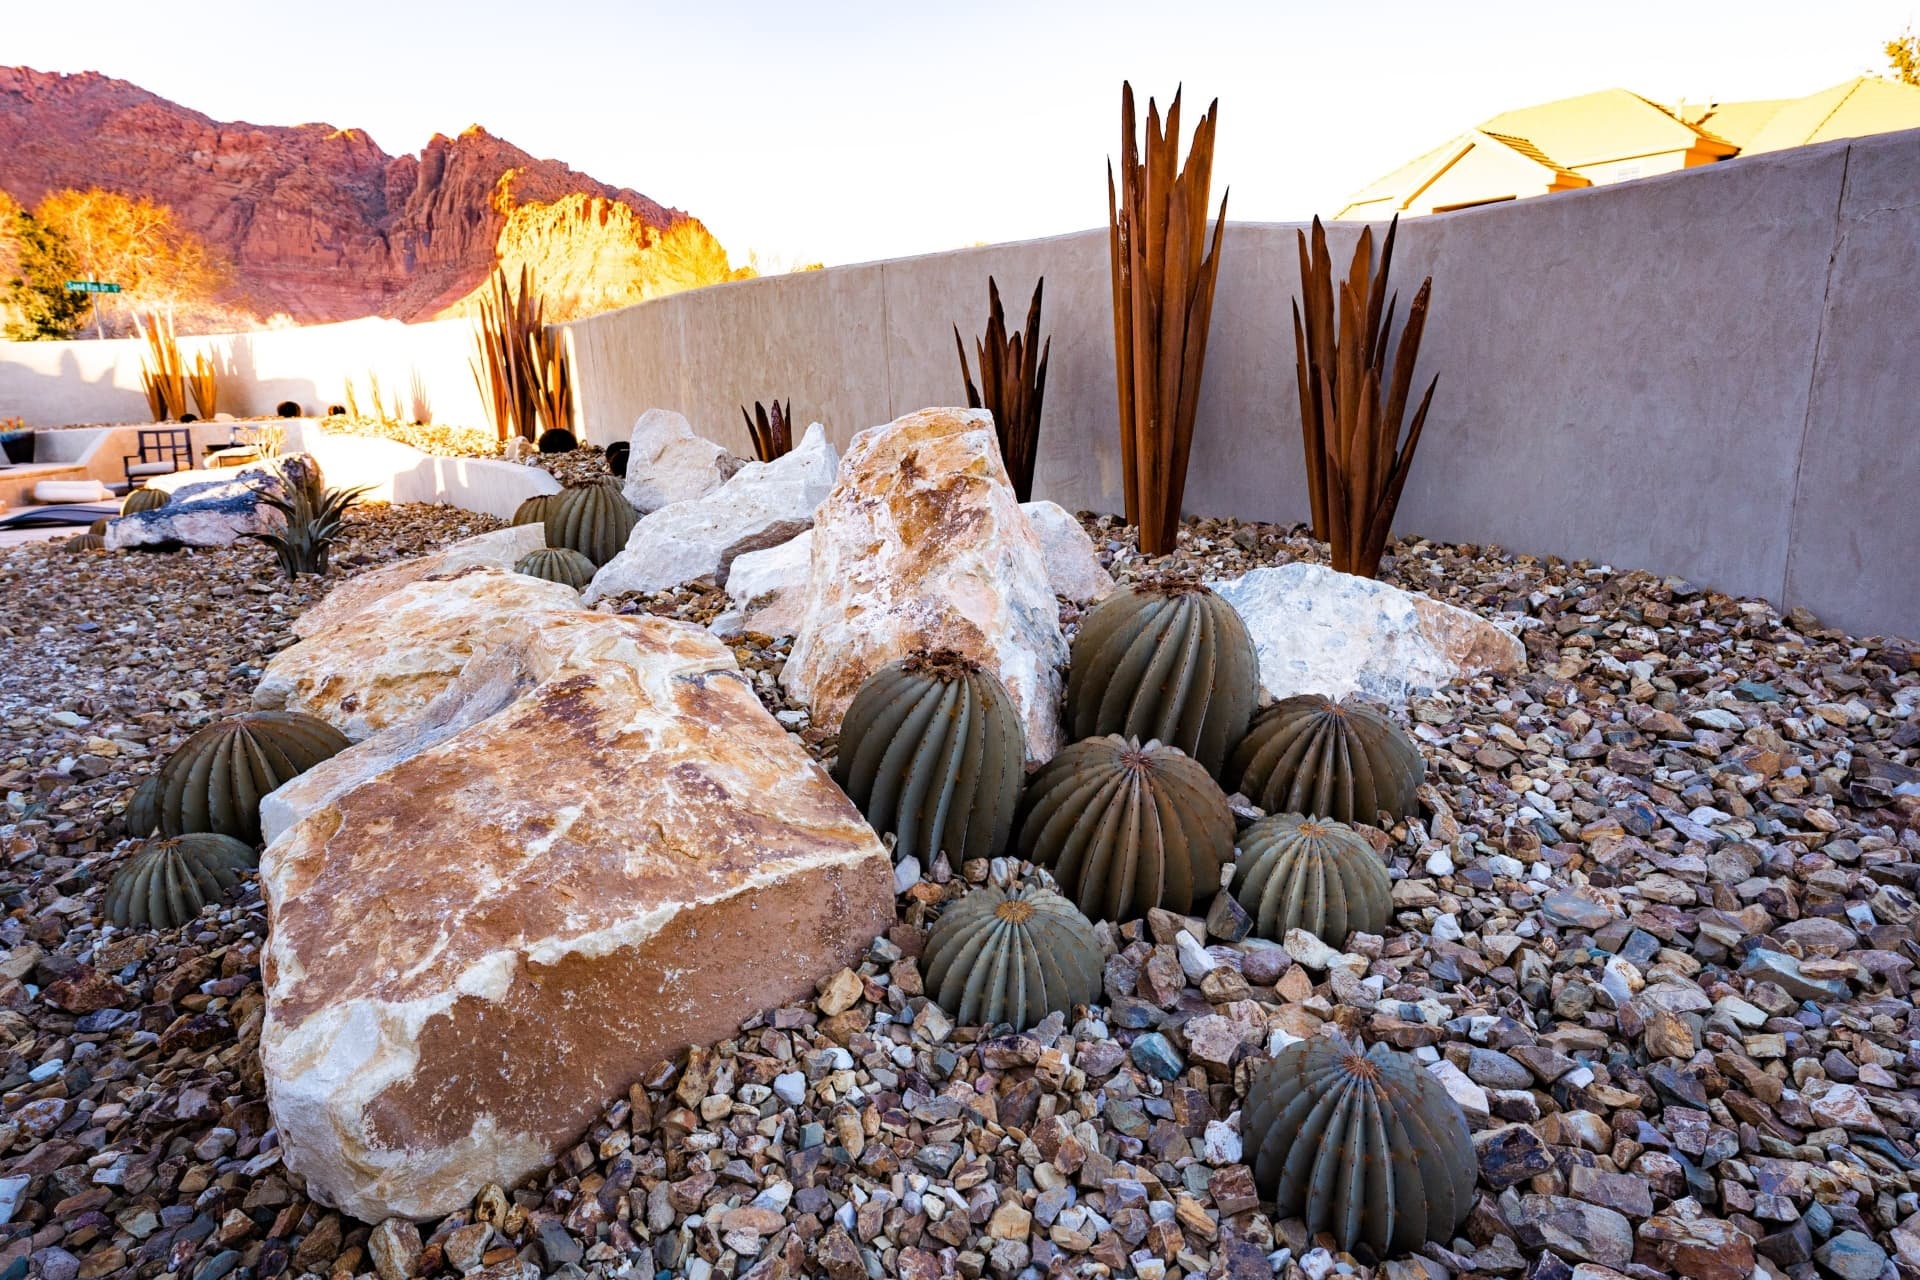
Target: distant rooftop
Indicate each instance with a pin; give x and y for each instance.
(1615, 135)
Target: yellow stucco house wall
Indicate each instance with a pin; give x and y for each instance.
(1616, 136)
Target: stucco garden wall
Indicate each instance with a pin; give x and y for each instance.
(1710, 373)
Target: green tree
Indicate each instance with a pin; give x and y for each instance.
(1903, 55)
(43, 263)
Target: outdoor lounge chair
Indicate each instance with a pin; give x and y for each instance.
(163, 451)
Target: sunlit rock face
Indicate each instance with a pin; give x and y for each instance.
(499, 549)
(922, 545)
(475, 949)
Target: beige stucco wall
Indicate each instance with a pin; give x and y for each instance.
(53, 384)
(1700, 373)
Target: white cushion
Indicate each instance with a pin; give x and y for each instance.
(153, 468)
(71, 491)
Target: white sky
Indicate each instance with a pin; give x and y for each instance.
(850, 131)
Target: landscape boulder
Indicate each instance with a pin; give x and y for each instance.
(1320, 631)
(922, 545)
(668, 463)
(498, 549)
(379, 667)
(214, 512)
(763, 505)
(473, 952)
(1073, 566)
(767, 590)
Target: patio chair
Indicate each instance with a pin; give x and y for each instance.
(163, 451)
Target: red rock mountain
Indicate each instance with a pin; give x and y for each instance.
(322, 224)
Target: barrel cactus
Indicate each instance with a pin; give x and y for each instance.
(535, 509)
(215, 781)
(1165, 659)
(1126, 828)
(1012, 955)
(143, 809)
(1313, 874)
(593, 518)
(85, 542)
(99, 526)
(143, 499)
(1366, 1147)
(931, 749)
(1327, 759)
(556, 564)
(166, 883)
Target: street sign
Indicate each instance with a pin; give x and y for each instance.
(91, 286)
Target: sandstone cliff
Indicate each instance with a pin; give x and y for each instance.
(322, 224)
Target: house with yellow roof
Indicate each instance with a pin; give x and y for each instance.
(1614, 136)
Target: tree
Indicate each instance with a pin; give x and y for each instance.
(1903, 56)
(137, 245)
(36, 289)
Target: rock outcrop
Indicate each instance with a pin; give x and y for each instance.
(321, 224)
(379, 667)
(212, 512)
(1073, 566)
(768, 590)
(1320, 631)
(668, 463)
(475, 949)
(763, 505)
(922, 545)
(498, 549)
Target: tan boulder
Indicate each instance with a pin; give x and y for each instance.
(922, 544)
(498, 549)
(474, 951)
(377, 667)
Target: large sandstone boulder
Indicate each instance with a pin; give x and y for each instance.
(471, 953)
(1073, 566)
(669, 463)
(215, 511)
(767, 590)
(379, 667)
(922, 545)
(763, 505)
(499, 549)
(1320, 631)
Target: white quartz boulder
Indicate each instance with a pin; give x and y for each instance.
(668, 463)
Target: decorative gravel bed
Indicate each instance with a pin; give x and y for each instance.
(1603, 839)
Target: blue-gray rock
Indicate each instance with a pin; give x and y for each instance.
(212, 513)
(1784, 971)
(1571, 911)
(1153, 1054)
(1851, 1255)
(1511, 1154)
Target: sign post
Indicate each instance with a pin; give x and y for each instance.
(95, 287)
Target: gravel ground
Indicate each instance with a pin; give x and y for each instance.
(1677, 777)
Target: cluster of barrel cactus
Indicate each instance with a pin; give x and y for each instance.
(168, 882)
(593, 519)
(1364, 1145)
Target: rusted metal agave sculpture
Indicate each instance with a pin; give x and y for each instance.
(143, 499)
(592, 518)
(1163, 277)
(203, 380)
(1125, 828)
(1012, 955)
(771, 429)
(1351, 402)
(1166, 659)
(1366, 1147)
(557, 564)
(1313, 874)
(932, 750)
(215, 781)
(167, 883)
(1013, 384)
(522, 367)
(163, 374)
(1339, 760)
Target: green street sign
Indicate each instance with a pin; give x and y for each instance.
(91, 286)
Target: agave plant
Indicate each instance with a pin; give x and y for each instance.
(314, 515)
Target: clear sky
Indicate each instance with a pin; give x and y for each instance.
(850, 131)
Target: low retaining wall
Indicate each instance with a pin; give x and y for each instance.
(397, 472)
(1709, 374)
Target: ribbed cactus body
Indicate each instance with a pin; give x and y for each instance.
(1126, 827)
(1313, 874)
(167, 883)
(557, 564)
(215, 781)
(1326, 759)
(1012, 955)
(932, 751)
(593, 519)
